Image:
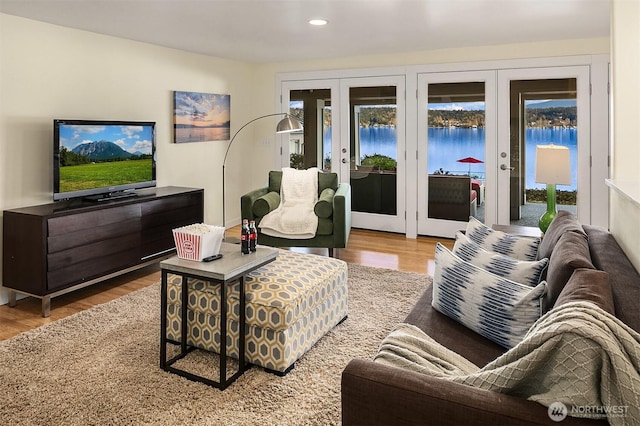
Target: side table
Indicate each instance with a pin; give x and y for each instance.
(521, 231)
(232, 267)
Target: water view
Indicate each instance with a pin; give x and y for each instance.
(447, 145)
(200, 134)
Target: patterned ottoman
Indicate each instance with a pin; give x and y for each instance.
(291, 303)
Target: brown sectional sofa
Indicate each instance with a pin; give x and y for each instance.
(376, 394)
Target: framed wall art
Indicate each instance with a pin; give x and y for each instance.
(200, 117)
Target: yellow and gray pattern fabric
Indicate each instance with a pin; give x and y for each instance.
(290, 304)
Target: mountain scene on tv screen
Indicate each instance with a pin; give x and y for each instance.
(121, 155)
(97, 152)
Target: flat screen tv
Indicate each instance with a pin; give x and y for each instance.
(101, 160)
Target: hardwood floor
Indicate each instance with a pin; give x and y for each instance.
(370, 248)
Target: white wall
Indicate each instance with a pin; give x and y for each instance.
(51, 72)
(625, 50)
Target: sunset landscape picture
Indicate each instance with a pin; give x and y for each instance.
(200, 117)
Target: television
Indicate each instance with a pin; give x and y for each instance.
(100, 160)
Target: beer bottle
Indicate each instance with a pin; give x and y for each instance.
(244, 237)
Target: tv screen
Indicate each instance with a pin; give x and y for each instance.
(99, 160)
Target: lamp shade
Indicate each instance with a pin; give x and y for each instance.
(553, 165)
(288, 124)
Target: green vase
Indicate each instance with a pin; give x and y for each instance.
(547, 217)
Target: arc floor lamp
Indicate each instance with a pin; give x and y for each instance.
(287, 125)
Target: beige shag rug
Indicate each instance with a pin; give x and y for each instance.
(101, 366)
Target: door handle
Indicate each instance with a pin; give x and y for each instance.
(504, 167)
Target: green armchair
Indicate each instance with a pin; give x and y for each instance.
(333, 210)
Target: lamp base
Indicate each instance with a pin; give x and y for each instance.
(550, 214)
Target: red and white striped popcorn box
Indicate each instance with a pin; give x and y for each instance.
(197, 241)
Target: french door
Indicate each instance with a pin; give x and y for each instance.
(373, 150)
(462, 144)
(542, 106)
(314, 103)
(456, 150)
(477, 138)
(354, 127)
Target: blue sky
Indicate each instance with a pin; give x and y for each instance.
(202, 109)
(458, 106)
(130, 138)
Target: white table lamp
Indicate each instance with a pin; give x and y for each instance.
(553, 167)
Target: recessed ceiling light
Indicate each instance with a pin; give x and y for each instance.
(318, 22)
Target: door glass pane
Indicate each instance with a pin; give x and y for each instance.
(373, 149)
(543, 112)
(456, 150)
(312, 146)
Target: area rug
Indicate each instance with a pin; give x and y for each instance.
(101, 366)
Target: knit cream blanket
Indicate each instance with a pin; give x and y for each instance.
(576, 354)
(294, 218)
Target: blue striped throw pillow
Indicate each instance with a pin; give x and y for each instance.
(521, 248)
(520, 271)
(497, 308)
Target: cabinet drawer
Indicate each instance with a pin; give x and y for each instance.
(160, 217)
(159, 238)
(95, 251)
(172, 203)
(77, 273)
(72, 223)
(86, 236)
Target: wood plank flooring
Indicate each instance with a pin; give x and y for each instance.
(369, 248)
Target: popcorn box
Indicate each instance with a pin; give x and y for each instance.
(197, 241)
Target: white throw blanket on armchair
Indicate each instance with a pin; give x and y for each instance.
(294, 218)
(576, 354)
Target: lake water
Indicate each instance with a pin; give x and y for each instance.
(202, 134)
(446, 145)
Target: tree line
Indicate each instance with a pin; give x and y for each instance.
(70, 158)
(386, 116)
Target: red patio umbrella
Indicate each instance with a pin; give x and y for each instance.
(470, 161)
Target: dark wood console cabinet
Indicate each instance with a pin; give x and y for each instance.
(51, 249)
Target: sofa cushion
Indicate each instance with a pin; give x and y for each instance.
(570, 253)
(325, 226)
(520, 271)
(325, 180)
(275, 181)
(590, 285)
(268, 202)
(521, 248)
(608, 256)
(324, 206)
(495, 307)
(563, 222)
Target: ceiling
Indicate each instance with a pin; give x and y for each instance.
(278, 30)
